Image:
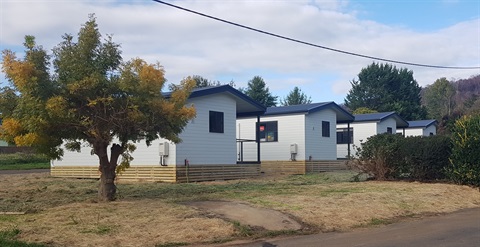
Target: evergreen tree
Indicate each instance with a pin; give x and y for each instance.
(363, 110)
(258, 91)
(203, 82)
(296, 97)
(383, 87)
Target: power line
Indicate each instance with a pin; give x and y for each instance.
(311, 44)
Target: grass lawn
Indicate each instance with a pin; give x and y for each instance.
(27, 166)
(7, 239)
(23, 161)
(65, 212)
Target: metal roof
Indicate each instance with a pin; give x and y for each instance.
(422, 123)
(342, 115)
(246, 106)
(380, 116)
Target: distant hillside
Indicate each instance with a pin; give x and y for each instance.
(468, 91)
(466, 101)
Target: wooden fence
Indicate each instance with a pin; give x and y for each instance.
(172, 174)
(198, 173)
(302, 167)
(216, 172)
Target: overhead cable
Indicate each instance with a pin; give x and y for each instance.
(315, 45)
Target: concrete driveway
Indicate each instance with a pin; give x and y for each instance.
(459, 229)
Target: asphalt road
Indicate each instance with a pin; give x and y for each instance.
(459, 229)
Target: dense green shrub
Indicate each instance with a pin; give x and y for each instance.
(387, 156)
(379, 156)
(22, 158)
(426, 157)
(464, 165)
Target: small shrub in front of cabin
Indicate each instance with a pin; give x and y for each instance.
(378, 157)
(464, 165)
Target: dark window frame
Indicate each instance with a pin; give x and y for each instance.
(325, 129)
(389, 130)
(216, 122)
(268, 131)
(342, 136)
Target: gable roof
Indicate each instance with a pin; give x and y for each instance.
(342, 115)
(422, 123)
(246, 106)
(380, 116)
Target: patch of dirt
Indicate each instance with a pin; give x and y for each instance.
(247, 215)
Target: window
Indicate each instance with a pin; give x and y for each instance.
(268, 131)
(216, 122)
(431, 133)
(389, 130)
(325, 129)
(342, 136)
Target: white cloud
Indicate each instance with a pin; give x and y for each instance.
(188, 44)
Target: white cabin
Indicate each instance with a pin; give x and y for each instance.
(365, 126)
(209, 139)
(420, 128)
(293, 133)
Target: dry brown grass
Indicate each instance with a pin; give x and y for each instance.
(140, 223)
(347, 205)
(63, 212)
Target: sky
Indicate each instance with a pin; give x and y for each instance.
(433, 32)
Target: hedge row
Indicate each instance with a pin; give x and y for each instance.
(22, 158)
(387, 156)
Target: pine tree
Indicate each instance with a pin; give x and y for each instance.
(383, 87)
(258, 91)
(296, 97)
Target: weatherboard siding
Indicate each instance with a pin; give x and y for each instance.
(361, 131)
(245, 129)
(143, 155)
(412, 131)
(199, 146)
(290, 130)
(420, 131)
(149, 155)
(316, 146)
(305, 130)
(387, 123)
(342, 151)
(430, 129)
(73, 158)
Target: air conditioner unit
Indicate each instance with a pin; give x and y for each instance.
(163, 149)
(293, 148)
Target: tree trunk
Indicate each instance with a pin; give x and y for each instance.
(107, 189)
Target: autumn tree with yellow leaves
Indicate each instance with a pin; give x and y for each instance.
(90, 95)
(465, 159)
